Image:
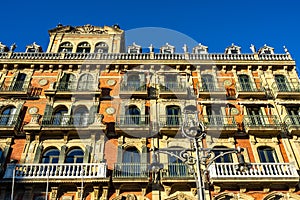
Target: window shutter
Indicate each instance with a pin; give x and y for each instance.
(47, 114)
(92, 114)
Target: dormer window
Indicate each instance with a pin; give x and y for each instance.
(134, 48)
(266, 50)
(65, 47)
(33, 48)
(167, 49)
(101, 47)
(83, 47)
(200, 49)
(3, 48)
(233, 49)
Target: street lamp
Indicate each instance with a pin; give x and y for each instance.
(193, 129)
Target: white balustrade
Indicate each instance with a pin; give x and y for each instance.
(56, 171)
(255, 170)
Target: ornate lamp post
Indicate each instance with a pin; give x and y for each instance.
(193, 129)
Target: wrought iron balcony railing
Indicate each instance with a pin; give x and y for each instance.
(170, 120)
(257, 171)
(247, 87)
(131, 170)
(286, 87)
(18, 86)
(173, 87)
(292, 120)
(176, 170)
(133, 120)
(56, 171)
(265, 121)
(68, 120)
(219, 121)
(132, 87)
(210, 87)
(77, 86)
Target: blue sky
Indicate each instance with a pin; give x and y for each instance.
(216, 24)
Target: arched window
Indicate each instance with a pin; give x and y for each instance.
(19, 82)
(65, 47)
(267, 154)
(131, 155)
(67, 82)
(83, 47)
(60, 116)
(245, 82)
(131, 162)
(86, 82)
(173, 115)
(8, 116)
(80, 117)
(227, 158)
(282, 83)
(101, 47)
(75, 156)
(208, 83)
(133, 115)
(50, 156)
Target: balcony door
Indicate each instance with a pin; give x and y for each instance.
(218, 150)
(173, 115)
(50, 156)
(176, 167)
(133, 82)
(215, 116)
(86, 82)
(67, 82)
(255, 116)
(132, 115)
(267, 154)
(171, 82)
(282, 83)
(245, 83)
(80, 117)
(208, 83)
(74, 156)
(60, 116)
(19, 82)
(294, 114)
(131, 162)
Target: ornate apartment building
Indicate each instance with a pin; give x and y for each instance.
(93, 119)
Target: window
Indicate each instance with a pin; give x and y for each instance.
(86, 82)
(101, 47)
(59, 116)
(208, 83)
(81, 116)
(171, 82)
(8, 116)
(131, 155)
(294, 114)
(245, 83)
(267, 155)
(50, 156)
(281, 83)
(19, 82)
(255, 116)
(65, 47)
(131, 162)
(67, 82)
(83, 47)
(133, 82)
(173, 115)
(133, 115)
(227, 158)
(75, 156)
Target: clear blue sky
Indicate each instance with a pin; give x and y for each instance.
(216, 24)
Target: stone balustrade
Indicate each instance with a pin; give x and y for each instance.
(56, 171)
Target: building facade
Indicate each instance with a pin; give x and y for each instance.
(83, 120)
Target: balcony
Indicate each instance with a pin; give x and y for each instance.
(286, 90)
(133, 125)
(133, 89)
(19, 89)
(90, 172)
(10, 123)
(220, 124)
(245, 90)
(67, 122)
(176, 172)
(131, 172)
(262, 125)
(170, 124)
(257, 175)
(66, 89)
(292, 123)
(211, 91)
(173, 90)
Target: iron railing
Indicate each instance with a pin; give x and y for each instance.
(133, 86)
(10, 120)
(170, 120)
(173, 87)
(219, 121)
(131, 170)
(266, 121)
(176, 170)
(133, 120)
(292, 120)
(286, 87)
(68, 120)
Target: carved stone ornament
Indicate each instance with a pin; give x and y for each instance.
(234, 111)
(111, 82)
(33, 110)
(43, 82)
(227, 83)
(110, 110)
(88, 29)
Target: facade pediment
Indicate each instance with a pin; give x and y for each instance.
(266, 50)
(233, 49)
(86, 29)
